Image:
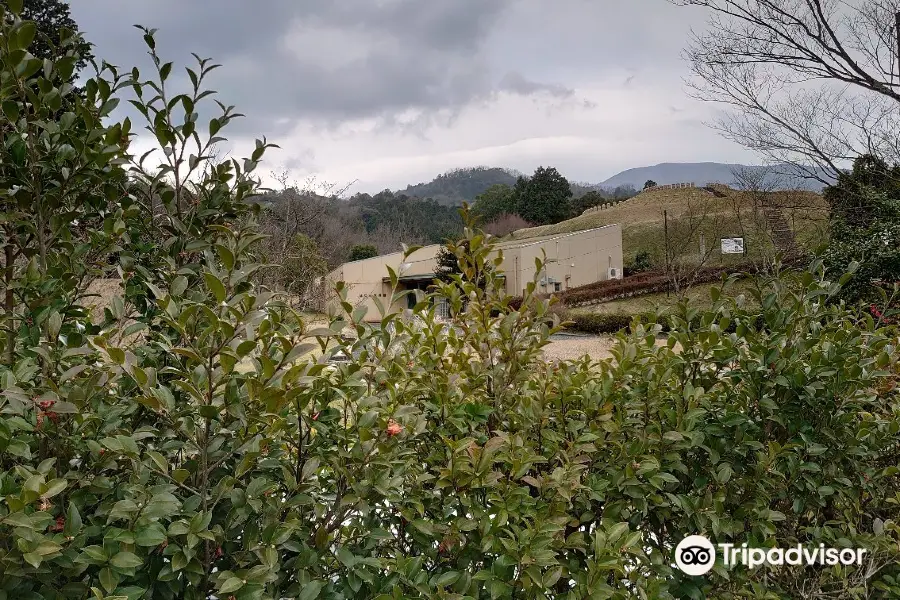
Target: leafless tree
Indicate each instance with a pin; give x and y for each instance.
(815, 83)
(692, 240)
(769, 215)
(506, 224)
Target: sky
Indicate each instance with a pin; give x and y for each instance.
(377, 94)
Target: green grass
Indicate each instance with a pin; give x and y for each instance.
(643, 223)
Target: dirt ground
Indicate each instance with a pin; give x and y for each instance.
(596, 346)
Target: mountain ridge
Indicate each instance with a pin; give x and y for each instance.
(701, 173)
(463, 184)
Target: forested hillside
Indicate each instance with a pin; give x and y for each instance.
(465, 185)
(385, 221)
(461, 185)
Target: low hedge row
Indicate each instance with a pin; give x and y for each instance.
(611, 323)
(647, 282)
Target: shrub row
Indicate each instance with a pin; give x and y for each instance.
(598, 323)
(649, 282)
(611, 323)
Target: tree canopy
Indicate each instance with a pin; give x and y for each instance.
(545, 197)
(865, 227)
(497, 200)
(54, 23)
(362, 252)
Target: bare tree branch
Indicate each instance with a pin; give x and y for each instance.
(815, 83)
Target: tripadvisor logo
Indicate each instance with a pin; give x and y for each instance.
(696, 555)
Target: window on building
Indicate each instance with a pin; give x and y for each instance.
(556, 287)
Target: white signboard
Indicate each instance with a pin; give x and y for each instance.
(733, 245)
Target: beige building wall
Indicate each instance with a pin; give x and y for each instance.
(573, 259)
(366, 283)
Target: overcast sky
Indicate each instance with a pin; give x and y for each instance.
(391, 92)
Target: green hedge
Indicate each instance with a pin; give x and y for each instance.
(598, 323)
(609, 323)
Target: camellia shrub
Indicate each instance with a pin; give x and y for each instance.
(197, 442)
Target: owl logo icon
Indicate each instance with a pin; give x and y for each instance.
(695, 555)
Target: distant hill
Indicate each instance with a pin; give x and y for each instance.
(707, 172)
(731, 213)
(461, 185)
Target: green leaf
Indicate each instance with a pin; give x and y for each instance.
(73, 521)
(179, 285)
(20, 449)
(310, 590)
(108, 579)
(215, 286)
(11, 110)
(126, 560)
(159, 461)
(723, 474)
(15, 6)
(55, 487)
(33, 558)
(447, 578)
(18, 519)
(232, 584)
(226, 256)
(26, 34)
(54, 324)
(346, 557)
(151, 535)
(424, 526)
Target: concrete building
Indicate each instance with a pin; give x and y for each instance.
(573, 259)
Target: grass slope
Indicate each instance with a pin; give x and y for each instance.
(734, 214)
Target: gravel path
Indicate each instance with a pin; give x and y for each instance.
(597, 347)
(573, 347)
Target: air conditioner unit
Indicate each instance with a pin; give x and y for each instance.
(614, 273)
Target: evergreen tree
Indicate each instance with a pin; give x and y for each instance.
(497, 200)
(589, 200)
(865, 227)
(53, 21)
(545, 198)
(363, 251)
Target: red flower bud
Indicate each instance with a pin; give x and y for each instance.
(60, 524)
(393, 428)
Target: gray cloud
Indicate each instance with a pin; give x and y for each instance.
(517, 83)
(366, 88)
(334, 61)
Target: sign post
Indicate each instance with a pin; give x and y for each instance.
(733, 245)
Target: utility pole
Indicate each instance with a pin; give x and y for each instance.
(666, 229)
